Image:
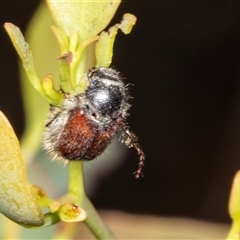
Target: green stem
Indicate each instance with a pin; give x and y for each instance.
(76, 188)
(76, 182)
(95, 223)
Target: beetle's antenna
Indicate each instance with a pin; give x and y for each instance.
(131, 140)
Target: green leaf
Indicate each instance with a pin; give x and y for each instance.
(45, 54)
(17, 202)
(104, 46)
(234, 208)
(25, 53)
(87, 17)
(234, 202)
(26, 56)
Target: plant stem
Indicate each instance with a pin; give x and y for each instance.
(76, 188)
(95, 223)
(76, 182)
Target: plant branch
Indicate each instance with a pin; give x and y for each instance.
(95, 223)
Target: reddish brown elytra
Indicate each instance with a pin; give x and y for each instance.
(83, 138)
